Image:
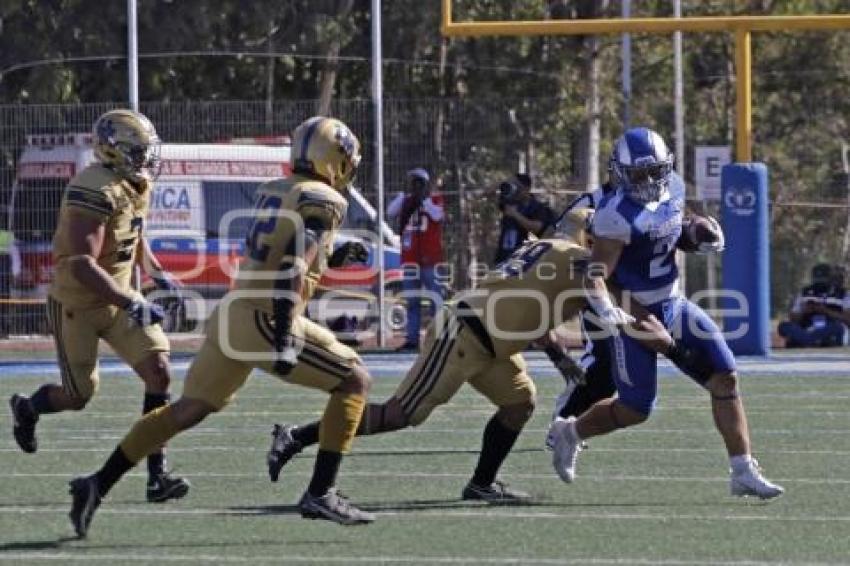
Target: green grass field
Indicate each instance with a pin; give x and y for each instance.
(653, 495)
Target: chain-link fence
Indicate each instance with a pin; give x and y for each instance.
(469, 146)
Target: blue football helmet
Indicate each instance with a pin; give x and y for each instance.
(642, 165)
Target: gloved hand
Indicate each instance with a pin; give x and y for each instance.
(717, 246)
(287, 356)
(569, 369)
(614, 316)
(144, 313)
(165, 281)
(349, 252)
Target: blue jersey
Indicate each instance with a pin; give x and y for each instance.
(647, 267)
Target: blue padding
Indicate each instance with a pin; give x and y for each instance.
(746, 261)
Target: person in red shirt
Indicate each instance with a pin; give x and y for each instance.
(420, 219)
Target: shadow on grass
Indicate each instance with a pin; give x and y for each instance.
(34, 504)
(423, 452)
(35, 544)
(540, 502)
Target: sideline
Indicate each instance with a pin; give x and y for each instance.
(390, 364)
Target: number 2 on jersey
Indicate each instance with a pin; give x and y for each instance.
(662, 259)
(257, 250)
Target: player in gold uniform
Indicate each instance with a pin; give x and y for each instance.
(99, 240)
(260, 324)
(477, 338)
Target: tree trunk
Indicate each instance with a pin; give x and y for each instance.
(333, 38)
(328, 81)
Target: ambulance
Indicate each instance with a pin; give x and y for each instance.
(191, 226)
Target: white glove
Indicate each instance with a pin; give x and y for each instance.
(705, 248)
(614, 316)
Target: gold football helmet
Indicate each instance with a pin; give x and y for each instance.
(326, 148)
(126, 141)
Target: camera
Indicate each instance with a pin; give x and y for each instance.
(507, 193)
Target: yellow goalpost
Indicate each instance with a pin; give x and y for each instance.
(742, 26)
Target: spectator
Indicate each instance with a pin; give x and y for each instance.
(522, 214)
(420, 220)
(820, 315)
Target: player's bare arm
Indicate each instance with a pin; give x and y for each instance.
(151, 265)
(87, 236)
(604, 257)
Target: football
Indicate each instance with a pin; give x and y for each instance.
(696, 230)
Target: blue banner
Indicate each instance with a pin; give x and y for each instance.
(746, 260)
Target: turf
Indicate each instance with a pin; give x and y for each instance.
(657, 494)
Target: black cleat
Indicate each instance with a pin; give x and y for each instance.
(85, 501)
(284, 447)
(497, 493)
(23, 423)
(163, 486)
(333, 506)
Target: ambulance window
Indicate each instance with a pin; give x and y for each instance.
(36, 208)
(223, 196)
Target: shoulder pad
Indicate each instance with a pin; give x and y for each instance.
(91, 190)
(609, 223)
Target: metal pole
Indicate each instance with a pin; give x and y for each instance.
(626, 54)
(132, 55)
(378, 107)
(679, 120)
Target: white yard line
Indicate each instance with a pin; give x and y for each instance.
(387, 559)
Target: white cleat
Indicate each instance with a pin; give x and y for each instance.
(749, 481)
(565, 448)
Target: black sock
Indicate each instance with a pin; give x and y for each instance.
(116, 466)
(156, 460)
(40, 401)
(324, 472)
(495, 445)
(308, 434)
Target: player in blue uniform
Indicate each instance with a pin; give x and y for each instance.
(635, 230)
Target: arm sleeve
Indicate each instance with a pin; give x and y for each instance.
(394, 208)
(93, 202)
(610, 224)
(434, 208)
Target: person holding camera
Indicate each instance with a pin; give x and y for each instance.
(420, 216)
(522, 214)
(820, 316)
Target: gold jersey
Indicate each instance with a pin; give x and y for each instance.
(284, 208)
(122, 206)
(536, 289)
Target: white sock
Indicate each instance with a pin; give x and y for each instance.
(741, 462)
